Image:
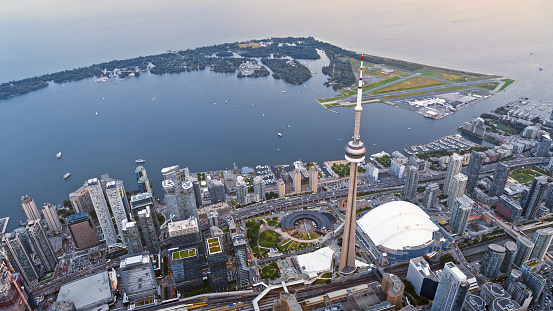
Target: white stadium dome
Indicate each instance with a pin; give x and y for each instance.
(398, 225)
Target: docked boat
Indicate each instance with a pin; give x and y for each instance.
(66, 175)
(140, 161)
(58, 155)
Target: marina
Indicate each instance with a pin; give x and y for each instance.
(450, 143)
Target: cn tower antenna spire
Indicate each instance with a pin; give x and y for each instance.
(355, 153)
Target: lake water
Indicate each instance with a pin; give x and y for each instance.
(183, 126)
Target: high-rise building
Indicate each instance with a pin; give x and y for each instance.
(14, 294)
(489, 267)
(396, 168)
(139, 202)
(500, 177)
(531, 206)
(41, 246)
(19, 257)
(393, 287)
(521, 294)
(543, 147)
(102, 211)
(138, 277)
(148, 230)
(29, 207)
(281, 188)
(514, 276)
(189, 199)
(474, 303)
(411, 183)
(216, 191)
(217, 261)
(131, 237)
(491, 291)
(240, 246)
(452, 289)
(473, 169)
(142, 180)
(296, 181)
(184, 233)
(186, 263)
(456, 189)
(417, 162)
(542, 240)
(509, 208)
(80, 200)
(286, 302)
(524, 250)
(116, 196)
(197, 193)
(532, 277)
(549, 197)
(259, 188)
(431, 196)
(355, 153)
(314, 178)
(372, 173)
(424, 281)
(51, 215)
(510, 253)
(82, 230)
(241, 191)
(176, 213)
(453, 168)
(461, 212)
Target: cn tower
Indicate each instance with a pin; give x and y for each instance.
(355, 153)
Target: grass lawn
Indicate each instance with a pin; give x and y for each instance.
(409, 84)
(524, 175)
(449, 89)
(490, 86)
(507, 83)
(405, 95)
(379, 83)
(505, 128)
(268, 238)
(319, 281)
(327, 275)
(270, 272)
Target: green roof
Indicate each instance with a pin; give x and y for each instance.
(214, 245)
(187, 253)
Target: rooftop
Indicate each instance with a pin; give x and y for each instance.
(182, 227)
(187, 253)
(87, 292)
(133, 260)
(214, 246)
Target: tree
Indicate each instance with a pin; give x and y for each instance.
(67, 203)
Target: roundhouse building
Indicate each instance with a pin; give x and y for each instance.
(399, 231)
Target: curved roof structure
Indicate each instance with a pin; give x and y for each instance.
(321, 219)
(398, 225)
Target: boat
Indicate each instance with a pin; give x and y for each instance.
(226, 101)
(66, 175)
(58, 155)
(279, 134)
(139, 161)
(541, 68)
(283, 91)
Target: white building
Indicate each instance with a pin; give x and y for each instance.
(259, 188)
(29, 207)
(372, 173)
(454, 168)
(115, 194)
(241, 191)
(296, 180)
(452, 289)
(313, 178)
(102, 212)
(396, 168)
(51, 216)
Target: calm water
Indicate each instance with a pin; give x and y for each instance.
(183, 126)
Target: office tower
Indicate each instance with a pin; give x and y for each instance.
(532, 202)
(29, 207)
(189, 199)
(452, 289)
(142, 180)
(491, 291)
(213, 218)
(102, 211)
(524, 250)
(41, 246)
(19, 257)
(510, 253)
(456, 189)
(14, 294)
(51, 215)
(139, 202)
(355, 153)
(131, 237)
(240, 246)
(314, 178)
(396, 168)
(216, 191)
(287, 302)
(185, 232)
(454, 168)
(281, 188)
(473, 169)
(543, 147)
(411, 183)
(509, 208)
(296, 181)
(393, 287)
(197, 193)
(461, 213)
(372, 173)
(241, 191)
(82, 230)
(116, 196)
(489, 267)
(173, 174)
(148, 230)
(80, 200)
(431, 196)
(259, 188)
(424, 281)
(532, 277)
(417, 162)
(217, 261)
(542, 240)
(500, 177)
(138, 277)
(176, 213)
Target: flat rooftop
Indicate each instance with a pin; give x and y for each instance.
(187, 253)
(88, 292)
(3, 224)
(214, 246)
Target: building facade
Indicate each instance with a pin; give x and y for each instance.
(524, 250)
(452, 289)
(456, 189)
(453, 168)
(473, 169)
(430, 199)
(29, 207)
(51, 215)
(411, 183)
(42, 247)
(102, 211)
(500, 177)
(461, 213)
(542, 240)
(493, 258)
